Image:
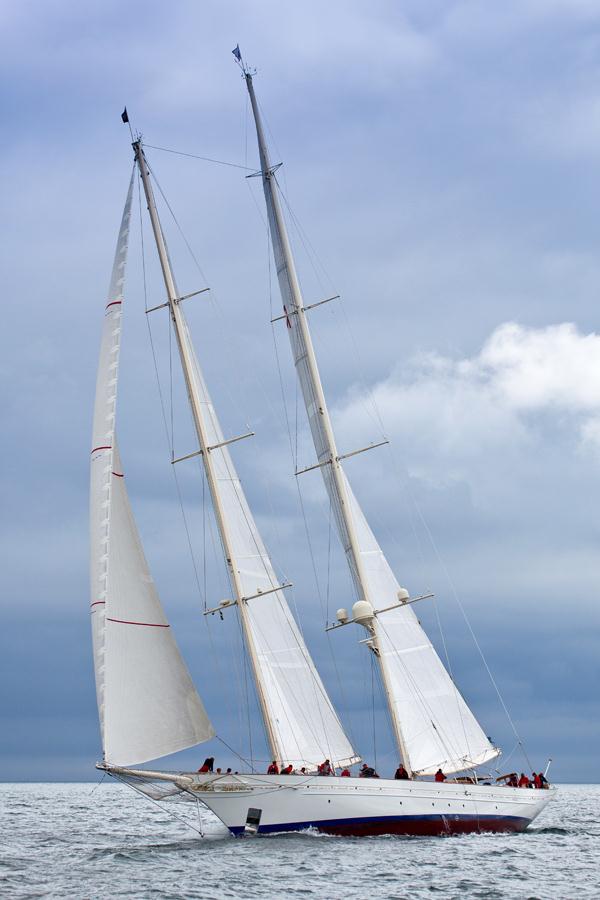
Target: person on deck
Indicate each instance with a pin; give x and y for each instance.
(207, 765)
(401, 773)
(345, 773)
(512, 781)
(524, 780)
(537, 781)
(439, 776)
(543, 781)
(325, 768)
(287, 770)
(367, 772)
(273, 769)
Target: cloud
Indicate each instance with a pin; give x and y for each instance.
(522, 383)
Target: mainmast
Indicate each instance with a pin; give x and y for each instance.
(314, 397)
(187, 363)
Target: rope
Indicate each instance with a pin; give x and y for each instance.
(161, 399)
(166, 809)
(220, 162)
(312, 255)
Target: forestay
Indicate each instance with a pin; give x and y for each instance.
(436, 726)
(147, 703)
(303, 722)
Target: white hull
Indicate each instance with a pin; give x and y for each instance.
(356, 806)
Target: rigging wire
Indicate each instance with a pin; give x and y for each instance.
(315, 681)
(161, 397)
(162, 808)
(312, 255)
(220, 162)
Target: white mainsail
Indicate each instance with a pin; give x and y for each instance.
(433, 724)
(147, 703)
(302, 727)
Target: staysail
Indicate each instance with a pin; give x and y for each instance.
(301, 724)
(433, 724)
(147, 703)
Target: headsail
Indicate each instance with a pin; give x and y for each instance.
(147, 703)
(301, 724)
(432, 723)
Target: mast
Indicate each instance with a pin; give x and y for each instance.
(329, 457)
(179, 327)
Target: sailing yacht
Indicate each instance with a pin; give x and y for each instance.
(148, 705)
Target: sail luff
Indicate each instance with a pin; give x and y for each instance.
(300, 722)
(371, 574)
(147, 703)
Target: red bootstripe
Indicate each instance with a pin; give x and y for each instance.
(148, 624)
(95, 450)
(114, 303)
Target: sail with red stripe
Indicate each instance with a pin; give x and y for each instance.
(147, 703)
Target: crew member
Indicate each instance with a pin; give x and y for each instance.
(401, 773)
(439, 775)
(273, 769)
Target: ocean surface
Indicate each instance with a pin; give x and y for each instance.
(105, 841)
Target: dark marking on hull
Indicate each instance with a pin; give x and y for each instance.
(432, 826)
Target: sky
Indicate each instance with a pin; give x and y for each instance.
(441, 166)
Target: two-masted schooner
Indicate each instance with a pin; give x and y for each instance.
(148, 705)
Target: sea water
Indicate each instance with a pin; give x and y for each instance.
(106, 841)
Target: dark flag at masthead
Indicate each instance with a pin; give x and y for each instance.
(124, 115)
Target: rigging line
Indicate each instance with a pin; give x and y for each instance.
(163, 809)
(380, 422)
(293, 452)
(316, 684)
(450, 672)
(234, 481)
(170, 327)
(472, 633)
(160, 394)
(427, 711)
(177, 225)
(310, 251)
(373, 711)
(328, 582)
(204, 573)
(235, 753)
(220, 162)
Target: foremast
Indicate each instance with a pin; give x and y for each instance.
(321, 426)
(180, 329)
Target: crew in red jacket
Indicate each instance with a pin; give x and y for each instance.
(524, 781)
(439, 775)
(273, 769)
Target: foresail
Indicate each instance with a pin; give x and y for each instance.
(305, 725)
(147, 703)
